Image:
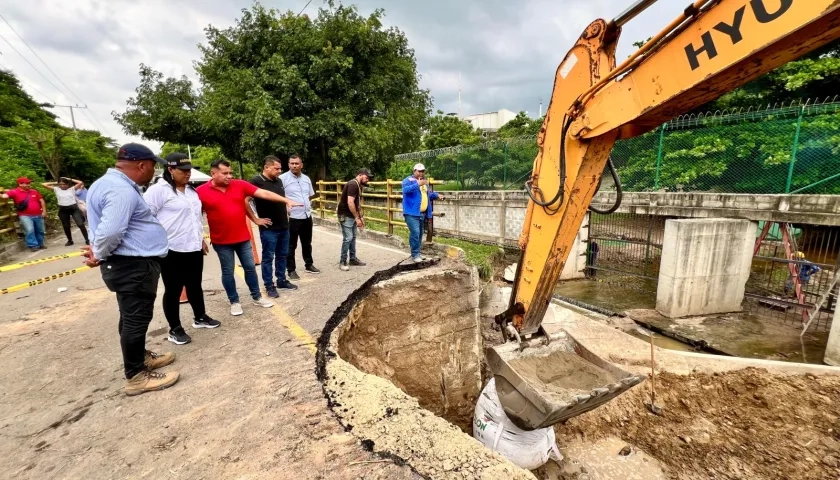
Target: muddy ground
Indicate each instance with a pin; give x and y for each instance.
(746, 424)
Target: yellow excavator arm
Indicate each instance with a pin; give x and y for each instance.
(712, 48)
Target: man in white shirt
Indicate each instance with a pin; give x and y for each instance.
(298, 187)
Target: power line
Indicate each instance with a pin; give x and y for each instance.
(304, 7)
(30, 63)
(89, 115)
(39, 58)
(30, 86)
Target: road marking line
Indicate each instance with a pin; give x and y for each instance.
(293, 327)
(365, 243)
(39, 281)
(15, 266)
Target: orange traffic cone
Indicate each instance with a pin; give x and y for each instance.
(184, 295)
(253, 242)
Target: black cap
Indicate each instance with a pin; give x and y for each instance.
(179, 160)
(137, 152)
(365, 171)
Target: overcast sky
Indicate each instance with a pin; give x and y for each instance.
(505, 52)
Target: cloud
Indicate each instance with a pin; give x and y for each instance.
(505, 53)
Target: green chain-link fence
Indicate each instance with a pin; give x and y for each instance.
(792, 149)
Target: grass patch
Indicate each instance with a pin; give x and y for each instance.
(477, 254)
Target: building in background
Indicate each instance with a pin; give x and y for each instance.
(490, 122)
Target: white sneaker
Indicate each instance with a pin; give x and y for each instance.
(236, 309)
(264, 303)
(417, 259)
(343, 266)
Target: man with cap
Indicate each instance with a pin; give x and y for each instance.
(30, 207)
(350, 217)
(128, 242)
(416, 204)
(225, 202)
(175, 203)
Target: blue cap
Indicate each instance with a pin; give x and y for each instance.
(136, 152)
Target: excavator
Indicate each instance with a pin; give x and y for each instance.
(713, 47)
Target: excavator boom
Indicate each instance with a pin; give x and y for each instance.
(713, 47)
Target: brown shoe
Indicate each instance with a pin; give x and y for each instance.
(157, 360)
(149, 381)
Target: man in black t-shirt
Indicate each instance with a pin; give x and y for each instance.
(350, 217)
(274, 228)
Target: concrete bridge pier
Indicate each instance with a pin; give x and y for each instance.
(832, 348)
(705, 266)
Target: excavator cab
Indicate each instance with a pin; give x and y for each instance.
(714, 46)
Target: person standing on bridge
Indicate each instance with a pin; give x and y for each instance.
(416, 206)
(274, 235)
(129, 243)
(223, 200)
(298, 187)
(350, 217)
(31, 208)
(175, 204)
(68, 206)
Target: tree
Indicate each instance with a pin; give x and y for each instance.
(521, 126)
(34, 145)
(447, 131)
(339, 89)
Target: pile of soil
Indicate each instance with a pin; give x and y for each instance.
(736, 425)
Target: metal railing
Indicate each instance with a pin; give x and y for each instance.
(383, 197)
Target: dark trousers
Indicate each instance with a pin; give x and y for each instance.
(181, 270)
(135, 281)
(275, 249)
(299, 228)
(64, 214)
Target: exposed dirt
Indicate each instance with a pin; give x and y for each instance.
(562, 375)
(420, 331)
(747, 424)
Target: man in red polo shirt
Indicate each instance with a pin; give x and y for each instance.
(30, 208)
(223, 200)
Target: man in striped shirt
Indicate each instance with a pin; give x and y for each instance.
(129, 242)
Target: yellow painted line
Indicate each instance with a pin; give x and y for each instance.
(39, 281)
(15, 266)
(288, 323)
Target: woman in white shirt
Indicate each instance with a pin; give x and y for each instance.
(177, 207)
(68, 206)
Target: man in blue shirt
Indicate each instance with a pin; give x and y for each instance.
(416, 201)
(129, 242)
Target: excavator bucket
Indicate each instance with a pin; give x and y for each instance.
(541, 385)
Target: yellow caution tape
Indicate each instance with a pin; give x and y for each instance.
(15, 266)
(39, 281)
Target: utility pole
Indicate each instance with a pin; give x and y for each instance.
(71, 107)
(459, 95)
(540, 109)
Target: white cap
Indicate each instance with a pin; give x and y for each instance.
(419, 166)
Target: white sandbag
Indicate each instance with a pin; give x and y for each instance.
(525, 449)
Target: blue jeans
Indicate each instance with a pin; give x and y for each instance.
(348, 235)
(33, 229)
(228, 262)
(275, 248)
(415, 225)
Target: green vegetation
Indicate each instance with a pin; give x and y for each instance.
(33, 144)
(339, 89)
